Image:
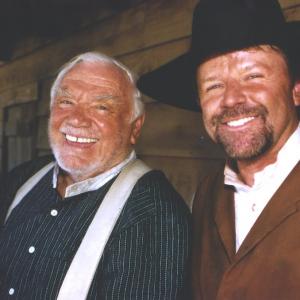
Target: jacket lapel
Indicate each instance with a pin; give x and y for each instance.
(281, 206)
(225, 217)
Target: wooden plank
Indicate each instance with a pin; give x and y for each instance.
(10, 128)
(90, 15)
(165, 22)
(288, 3)
(44, 99)
(1, 163)
(31, 43)
(43, 152)
(42, 142)
(19, 150)
(151, 58)
(183, 173)
(115, 36)
(2, 116)
(21, 94)
(181, 134)
(21, 119)
(293, 14)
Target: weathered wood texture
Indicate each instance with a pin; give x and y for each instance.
(143, 37)
(128, 32)
(185, 176)
(150, 24)
(19, 134)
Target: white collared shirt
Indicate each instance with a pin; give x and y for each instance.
(250, 201)
(94, 183)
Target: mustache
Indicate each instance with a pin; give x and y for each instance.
(240, 110)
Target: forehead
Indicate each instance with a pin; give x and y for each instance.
(262, 56)
(97, 74)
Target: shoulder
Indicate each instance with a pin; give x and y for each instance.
(154, 197)
(14, 179)
(157, 188)
(25, 170)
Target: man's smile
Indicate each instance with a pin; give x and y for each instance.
(82, 140)
(239, 122)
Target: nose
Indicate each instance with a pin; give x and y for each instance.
(233, 94)
(79, 118)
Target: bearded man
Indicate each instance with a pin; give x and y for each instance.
(243, 66)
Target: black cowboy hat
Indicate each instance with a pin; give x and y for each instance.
(221, 26)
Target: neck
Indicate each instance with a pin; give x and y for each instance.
(248, 168)
(63, 181)
(66, 179)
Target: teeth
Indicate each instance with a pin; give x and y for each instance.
(86, 140)
(79, 139)
(71, 138)
(239, 122)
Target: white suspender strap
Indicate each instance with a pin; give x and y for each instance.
(27, 186)
(81, 272)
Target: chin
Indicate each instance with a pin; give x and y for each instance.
(82, 171)
(74, 165)
(248, 151)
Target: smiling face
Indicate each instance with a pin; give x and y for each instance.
(246, 100)
(90, 125)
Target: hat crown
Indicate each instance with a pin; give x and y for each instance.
(224, 25)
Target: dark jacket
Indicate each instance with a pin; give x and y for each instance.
(147, 253)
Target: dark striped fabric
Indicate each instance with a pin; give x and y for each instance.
(145, 257)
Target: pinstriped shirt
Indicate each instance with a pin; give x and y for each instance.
(144, 259)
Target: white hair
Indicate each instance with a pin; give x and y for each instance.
(97, 57)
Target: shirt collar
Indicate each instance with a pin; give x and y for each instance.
(93, 183)
(287, 157)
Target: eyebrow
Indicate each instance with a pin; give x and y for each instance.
(247, 67)
(254, 65)
(63, 92)
(210, 78)
(106, 97)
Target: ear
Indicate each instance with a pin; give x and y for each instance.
(136, 128)
(296, 92)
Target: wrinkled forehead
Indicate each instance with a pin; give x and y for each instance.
(99, 74)
(262, 55)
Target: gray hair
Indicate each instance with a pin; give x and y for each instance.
(97, 57)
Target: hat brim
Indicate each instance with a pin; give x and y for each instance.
(175, 82)
(172, 83)
(294, 35)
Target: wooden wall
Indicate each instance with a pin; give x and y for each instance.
(143, 37)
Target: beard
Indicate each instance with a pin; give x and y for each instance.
(69, 162)
(72, 164)
(245, 144)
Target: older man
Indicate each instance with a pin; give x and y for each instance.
(74, 229)
(246, 216)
